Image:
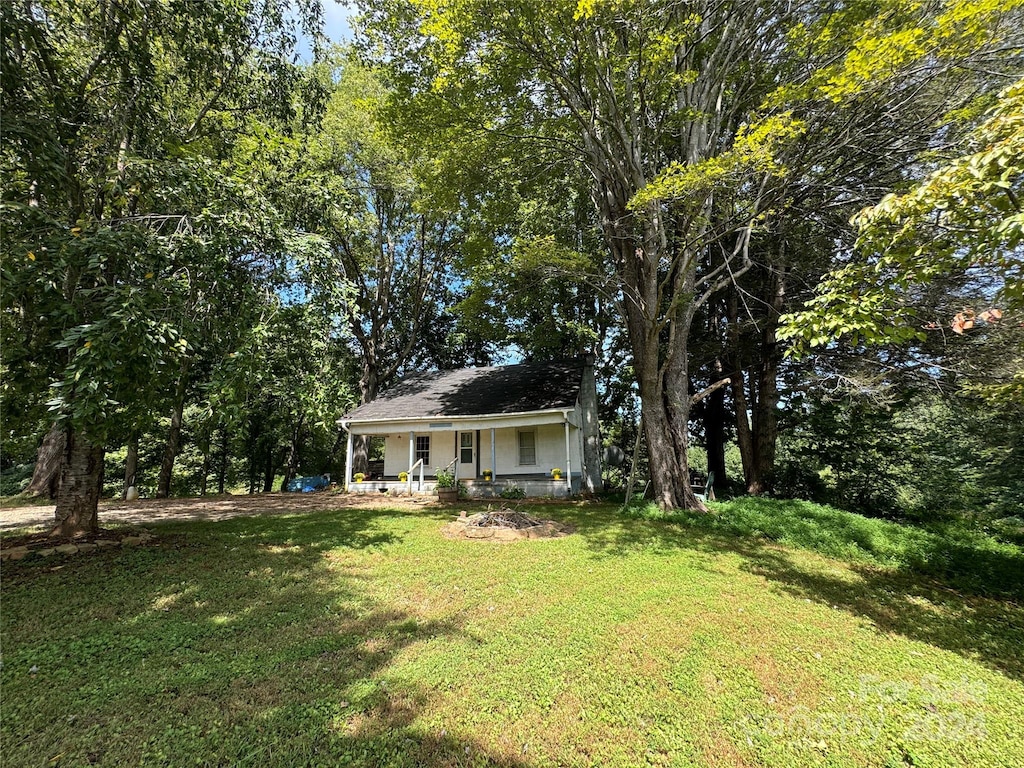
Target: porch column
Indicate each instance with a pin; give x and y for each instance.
(412, 458)
(568, 460)
(348, 460)
(494, 460)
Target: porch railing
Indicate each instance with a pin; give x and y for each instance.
(454, 466)
(412, 469)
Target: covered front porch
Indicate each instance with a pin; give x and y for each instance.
(531, 485)
(486, 454)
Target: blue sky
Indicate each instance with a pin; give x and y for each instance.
(336, 26)
(336, 16)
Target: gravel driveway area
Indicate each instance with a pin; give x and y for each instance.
(210, 508)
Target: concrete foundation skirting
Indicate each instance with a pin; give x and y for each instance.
(533, 488)
(483, 489)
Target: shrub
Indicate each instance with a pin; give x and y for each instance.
(14, 479)
(512, 491)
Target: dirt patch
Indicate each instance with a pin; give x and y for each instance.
(503, 525)
(145, 511)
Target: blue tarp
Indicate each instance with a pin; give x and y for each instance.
(307, 484)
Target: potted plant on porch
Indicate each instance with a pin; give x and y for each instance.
(447, 490)
(488, 475)
(556, 473)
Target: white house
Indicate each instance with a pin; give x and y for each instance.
(517, 422)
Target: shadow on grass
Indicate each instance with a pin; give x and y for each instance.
(963, 559)
(986, 629)
(253, 641)
(909, 599)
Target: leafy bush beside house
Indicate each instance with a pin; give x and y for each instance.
(445, 478)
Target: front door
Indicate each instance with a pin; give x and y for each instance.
(467, 454)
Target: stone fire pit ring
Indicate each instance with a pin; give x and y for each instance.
(503, 525)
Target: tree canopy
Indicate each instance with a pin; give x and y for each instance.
(962, 222)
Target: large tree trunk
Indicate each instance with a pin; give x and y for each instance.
(81, 482)
(163, 486)
(591, 469)
(369, 385)
(131, 464)
(46, 475)
(665, 414)
(659, 358)
(360, 454)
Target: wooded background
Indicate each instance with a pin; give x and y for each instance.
(790, 232)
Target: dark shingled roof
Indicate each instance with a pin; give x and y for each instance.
(478, 391)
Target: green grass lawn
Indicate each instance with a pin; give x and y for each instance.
(363, 637)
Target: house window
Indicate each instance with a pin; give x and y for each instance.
(528, 448)
(466, 445)
(423, 449)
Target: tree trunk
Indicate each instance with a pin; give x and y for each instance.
(292, 460)
(659, 359)
(755, 392)
(131, 463)
(254, 447)
(338, 466)
(206, 448)
(369, 385)
(766, 424)
(204, 483)
(222, 469)
(592, 482)
(665, 404)
(81, 482)
(46, 475)
(738, 387)
(714, 432)
(360, 454)
(163, 486)
(268, 470)
(634, 460)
